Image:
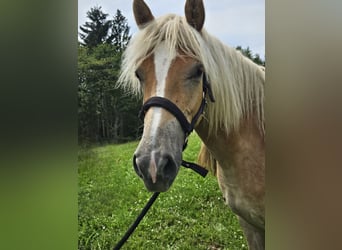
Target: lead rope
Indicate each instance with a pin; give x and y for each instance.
(137, 221)
(198, 169)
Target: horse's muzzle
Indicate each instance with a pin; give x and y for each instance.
(158, 170)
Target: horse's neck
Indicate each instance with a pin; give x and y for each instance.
(248, 131)
(241, 167)
(237, 151)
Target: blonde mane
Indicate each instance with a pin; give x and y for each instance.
(237, 83)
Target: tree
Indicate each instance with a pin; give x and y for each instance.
(96, 31)
(258, 60)
(248, 53)
(105, 112)
(119, 32)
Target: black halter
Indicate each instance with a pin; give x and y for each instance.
(157, 101)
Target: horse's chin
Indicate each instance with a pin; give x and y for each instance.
(158, 187)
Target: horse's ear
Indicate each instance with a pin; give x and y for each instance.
(142, 13)
(194, 13)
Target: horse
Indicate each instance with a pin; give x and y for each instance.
(190, 80)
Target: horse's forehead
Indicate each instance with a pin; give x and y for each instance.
(163, 54)
(163, 58)
(164, 68)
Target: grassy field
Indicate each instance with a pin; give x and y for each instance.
(191, 215)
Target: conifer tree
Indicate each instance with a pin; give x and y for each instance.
(119, 32)
(96, 31)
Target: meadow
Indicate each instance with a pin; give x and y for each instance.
(191, 215)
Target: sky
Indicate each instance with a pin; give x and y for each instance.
(234, 22)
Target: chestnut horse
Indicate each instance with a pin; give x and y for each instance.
(173, 58)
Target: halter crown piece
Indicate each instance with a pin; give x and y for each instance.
(157, 101)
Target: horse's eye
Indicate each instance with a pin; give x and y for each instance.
(138, 75)
(196, 72)
(199, 72)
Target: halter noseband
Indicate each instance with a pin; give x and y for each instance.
(157, 101)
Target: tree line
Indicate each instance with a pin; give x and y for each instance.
(106, 114)
(254, 57)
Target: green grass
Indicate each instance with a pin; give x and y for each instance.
(191, 215)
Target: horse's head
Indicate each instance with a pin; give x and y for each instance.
(173, 75)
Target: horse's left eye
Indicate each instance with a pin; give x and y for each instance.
(199, 72)
(196, 72)
(138, 75)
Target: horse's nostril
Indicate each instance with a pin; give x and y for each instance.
(155, 168)
(169, 165)
(136, 168)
